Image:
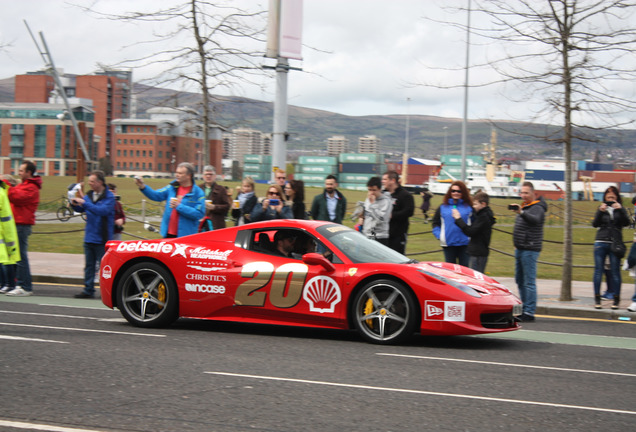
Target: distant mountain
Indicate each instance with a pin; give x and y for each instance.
(310, 128)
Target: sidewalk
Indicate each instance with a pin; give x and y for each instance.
(69, 269)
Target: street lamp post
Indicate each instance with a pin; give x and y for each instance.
(405, 157)
(445, 137)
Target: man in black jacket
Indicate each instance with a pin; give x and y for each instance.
(528, 240)
(403, 208)
(479, 231)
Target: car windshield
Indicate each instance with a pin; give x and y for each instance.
(358, 248)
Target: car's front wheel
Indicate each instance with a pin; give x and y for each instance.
(147, 296)
(385, 312)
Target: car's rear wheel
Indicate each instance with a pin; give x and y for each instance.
(147, 296)
(385, 312)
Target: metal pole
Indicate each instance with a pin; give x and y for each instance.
(405, 158)
(48, 60)
(465, 120)
(279, 145)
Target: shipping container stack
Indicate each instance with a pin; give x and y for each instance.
(452, 165)
(257, 166)
(355, 169)
(312, 170)
(419, 171)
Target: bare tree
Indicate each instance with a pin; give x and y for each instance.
(218, 49)
(577, 58)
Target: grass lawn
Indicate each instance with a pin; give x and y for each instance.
(67, 237)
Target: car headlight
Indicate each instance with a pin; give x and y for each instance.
(452, 282)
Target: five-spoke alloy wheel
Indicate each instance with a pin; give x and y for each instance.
(385, 312)
(147, 296)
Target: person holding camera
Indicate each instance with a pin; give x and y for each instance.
(272, 207)
(610, 218)
(527, 237)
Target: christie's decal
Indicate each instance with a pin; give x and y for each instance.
(444, 310)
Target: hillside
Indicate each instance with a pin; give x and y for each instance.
(310, 128)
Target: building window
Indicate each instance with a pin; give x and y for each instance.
(136, 165)
(150, 153)
(143, 153)
(144, 141)
(143, 166)
(125, 140)
(150, 166)
(160, 154)
(150, 142)
(159, 166)
(125, 152)
(118, 152)
(137, 153)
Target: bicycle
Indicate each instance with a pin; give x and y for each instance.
(65, 212)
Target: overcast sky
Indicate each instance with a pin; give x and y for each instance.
(366, 54)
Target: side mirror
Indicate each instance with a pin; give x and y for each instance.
(317, 259)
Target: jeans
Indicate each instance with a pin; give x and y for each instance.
(526, 278)
(7, 275)
(93, 254)
(601, 250)
(478, 263)
(23, 271)
(456, 254)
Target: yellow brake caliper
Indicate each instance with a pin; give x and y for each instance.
(368, 308)
(161, 294)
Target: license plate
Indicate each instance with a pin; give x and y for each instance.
(517, 309)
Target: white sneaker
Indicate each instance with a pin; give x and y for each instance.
(19, 292)
(4, 290)
(632, 307)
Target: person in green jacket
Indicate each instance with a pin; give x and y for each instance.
(331, 205)
(9, 246)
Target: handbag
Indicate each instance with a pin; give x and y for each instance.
(618, 247)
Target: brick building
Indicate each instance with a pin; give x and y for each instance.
(154, 147)
(39, 132)
(108, 93)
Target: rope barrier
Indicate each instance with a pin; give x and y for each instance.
(542, 262)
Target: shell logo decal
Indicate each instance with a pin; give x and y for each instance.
(322, 293)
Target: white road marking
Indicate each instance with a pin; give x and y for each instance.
(30, 339)
(423, 392)
(48, 315)
(82, 330)
(42, 427)
(103, 308)
(509, 364)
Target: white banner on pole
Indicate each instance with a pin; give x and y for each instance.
(291, 28)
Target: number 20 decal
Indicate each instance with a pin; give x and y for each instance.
(285, 291)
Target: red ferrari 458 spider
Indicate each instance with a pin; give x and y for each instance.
(302, 273)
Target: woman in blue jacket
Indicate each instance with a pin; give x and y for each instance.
(452, 239)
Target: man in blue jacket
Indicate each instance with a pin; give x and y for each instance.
(185, 202)
(99, 205)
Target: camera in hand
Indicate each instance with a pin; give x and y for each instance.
(513, 206)
(274, 202)
(610, 203)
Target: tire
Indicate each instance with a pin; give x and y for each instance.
(63, 214)
(83, 216)
(385, 312)
(147, 296)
